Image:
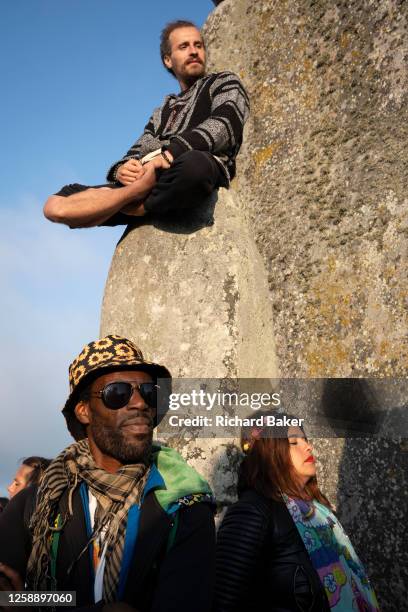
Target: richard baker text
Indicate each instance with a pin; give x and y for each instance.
(234, 421)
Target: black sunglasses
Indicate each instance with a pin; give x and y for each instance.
(116, 395)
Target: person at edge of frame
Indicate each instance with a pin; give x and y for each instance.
(125, 523)
(30, 472)
(187, 150)
(281, 542)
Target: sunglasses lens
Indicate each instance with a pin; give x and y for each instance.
(117, 395)
(149, 393)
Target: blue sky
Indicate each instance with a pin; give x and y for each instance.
(79, 81)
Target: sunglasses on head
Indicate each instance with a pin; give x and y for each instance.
(116, 395)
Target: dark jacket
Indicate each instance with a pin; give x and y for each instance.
(158, 580)
(262, 563)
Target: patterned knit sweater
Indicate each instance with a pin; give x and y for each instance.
(209, 116)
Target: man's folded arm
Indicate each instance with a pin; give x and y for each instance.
(146, 143)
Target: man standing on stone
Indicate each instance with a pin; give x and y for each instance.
(115, 518)
(187, 150)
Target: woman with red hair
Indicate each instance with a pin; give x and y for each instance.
(280, 547)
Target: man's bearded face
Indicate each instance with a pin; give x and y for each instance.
(187, 57)
(125, 434)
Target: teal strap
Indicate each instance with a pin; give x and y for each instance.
(83, 491)
(132, 528)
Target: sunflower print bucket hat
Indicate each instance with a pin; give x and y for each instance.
(110, 353)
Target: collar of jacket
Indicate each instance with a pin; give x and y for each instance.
(172, 478)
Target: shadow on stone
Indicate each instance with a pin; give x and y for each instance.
(372, 506)
(185, 221)
(351, 408)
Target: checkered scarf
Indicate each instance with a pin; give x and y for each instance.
(115, 493)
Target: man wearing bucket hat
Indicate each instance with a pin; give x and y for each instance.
(116, 518)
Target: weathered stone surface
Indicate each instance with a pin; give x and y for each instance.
(193, 294)
(324, 177)
(324, 174)
(322, 185)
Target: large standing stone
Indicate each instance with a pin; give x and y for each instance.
(192, 292)
(323, 180)
(324, 177)
(324, 173)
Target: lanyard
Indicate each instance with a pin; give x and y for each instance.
(130, 539)
(83, 490)
(155, 480)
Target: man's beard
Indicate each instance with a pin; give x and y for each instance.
(190, 79)
(112, 442)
